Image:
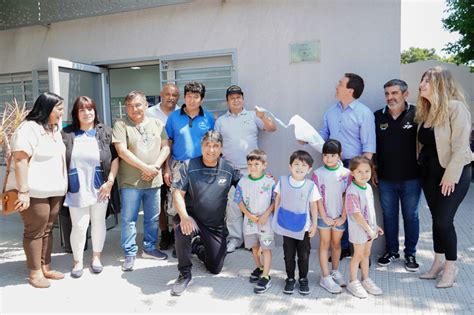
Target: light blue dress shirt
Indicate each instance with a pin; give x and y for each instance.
(353, 126)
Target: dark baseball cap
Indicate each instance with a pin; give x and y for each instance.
(233, 89)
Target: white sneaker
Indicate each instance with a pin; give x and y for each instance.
(231, 246)
(355, 287)
(330, 285)
(371, 287)
(338, 278)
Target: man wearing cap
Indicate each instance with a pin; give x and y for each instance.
(239, 129)
(169, 99)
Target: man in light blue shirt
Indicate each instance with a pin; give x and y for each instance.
(240, 129)
(351, 123)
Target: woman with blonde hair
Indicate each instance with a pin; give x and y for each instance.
(444, 127)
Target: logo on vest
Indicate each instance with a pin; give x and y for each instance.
(221, 181)
(407, 125)
(383, 126)
(203, 125)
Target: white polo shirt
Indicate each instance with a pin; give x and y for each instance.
(240, 133)
(156, 112)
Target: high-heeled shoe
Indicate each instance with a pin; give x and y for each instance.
(433, 273)
(448, 278)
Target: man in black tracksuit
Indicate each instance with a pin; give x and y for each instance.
(200, 198)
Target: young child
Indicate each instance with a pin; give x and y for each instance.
(295, 219)
(332, 180)
(255, 197)
(363, 229)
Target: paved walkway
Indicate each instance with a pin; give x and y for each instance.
(146, 289)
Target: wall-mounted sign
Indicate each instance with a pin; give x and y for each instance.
(306, 51)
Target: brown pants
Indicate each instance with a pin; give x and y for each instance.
(38, 221)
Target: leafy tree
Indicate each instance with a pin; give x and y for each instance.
(414, 54)
(461, 20)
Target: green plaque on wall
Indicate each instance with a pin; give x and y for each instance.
(305, 51)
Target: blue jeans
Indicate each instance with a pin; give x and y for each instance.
(131, 200)
(391, 194)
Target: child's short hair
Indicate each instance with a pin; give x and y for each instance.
(302, 156)
(332, 146)
(360, 159)
(257, 155)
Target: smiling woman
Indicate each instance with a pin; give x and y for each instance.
(40, 178)
(445, 158)
(92, 164)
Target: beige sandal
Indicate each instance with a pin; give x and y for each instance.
(39, 282)
(54, 275)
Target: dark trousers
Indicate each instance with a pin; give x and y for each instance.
(212, 252)
(293, 247)
(443, 208)
(38, 221)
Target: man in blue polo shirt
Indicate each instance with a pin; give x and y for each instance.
(351, 123)
(185, 128)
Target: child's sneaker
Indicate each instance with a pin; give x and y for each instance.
(356, 288)
(330, 285)
(304, 286)
(255, 275)
(371, 287)
(263, 284)
(289, 286)
(338, 278)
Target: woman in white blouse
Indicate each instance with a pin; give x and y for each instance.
(40, 178)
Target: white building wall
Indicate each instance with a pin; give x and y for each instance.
(356, 36)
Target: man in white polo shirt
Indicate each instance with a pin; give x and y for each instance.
(239, 129)
(169, 100)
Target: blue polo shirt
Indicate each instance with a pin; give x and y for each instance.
(186, 132)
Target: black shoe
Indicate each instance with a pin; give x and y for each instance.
(387, 259)
(165, 240)
(411, 264)
(289, 286)
(345, 252)
(255, 275)
(173, 253)
(181, 284)
(304, 286)
(263, 284)
(195, 244)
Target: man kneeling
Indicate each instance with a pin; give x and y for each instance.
(200, 198)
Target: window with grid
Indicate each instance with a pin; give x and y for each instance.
(215, 72)
(22, 87)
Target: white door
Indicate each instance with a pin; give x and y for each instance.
(71, 79)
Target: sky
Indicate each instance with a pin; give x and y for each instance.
(421, 25)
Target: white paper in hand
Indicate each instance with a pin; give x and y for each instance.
(305, 132)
